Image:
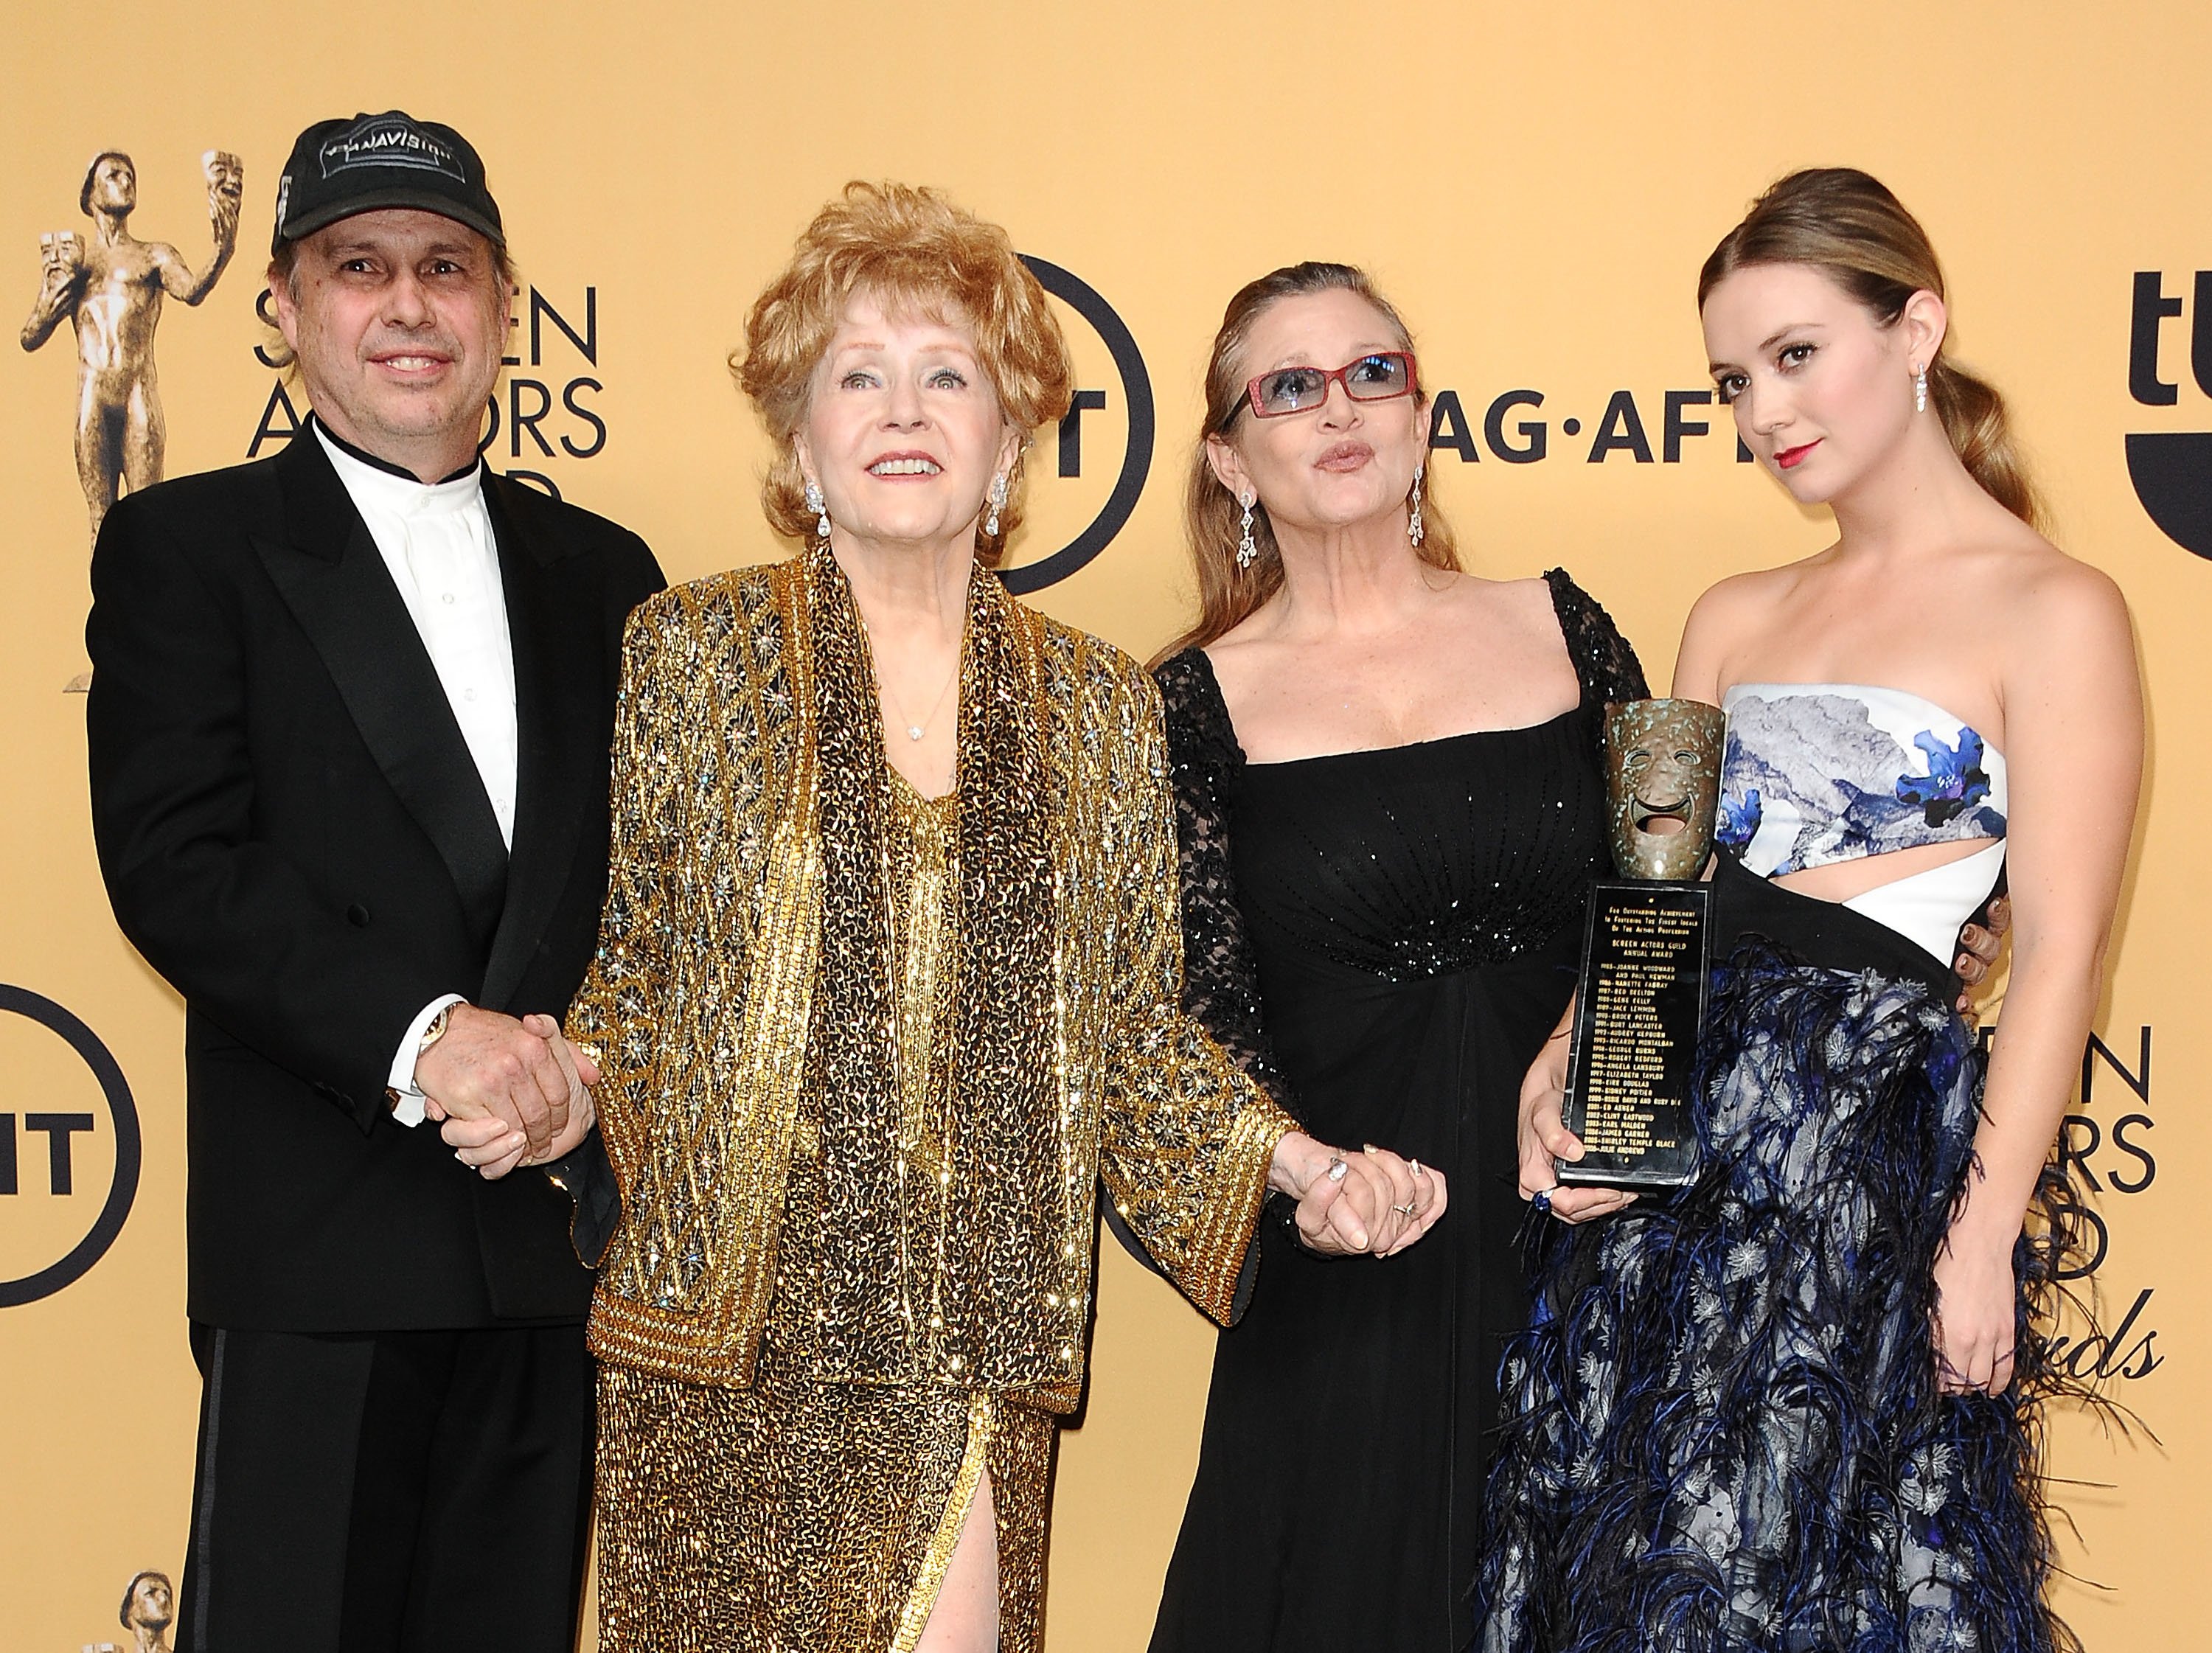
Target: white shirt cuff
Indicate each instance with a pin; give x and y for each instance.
(407, 1111)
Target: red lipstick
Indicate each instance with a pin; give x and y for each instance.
(1790, 458)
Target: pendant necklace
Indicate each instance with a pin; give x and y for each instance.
(915, 731)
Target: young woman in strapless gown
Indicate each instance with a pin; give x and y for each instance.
(1796, 1407)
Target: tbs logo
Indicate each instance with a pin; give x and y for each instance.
(2172, 470)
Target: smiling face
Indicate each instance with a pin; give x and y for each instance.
(1340, 462)
(1662, 780)
(1820, 389)
(903, 429)
(397, 318)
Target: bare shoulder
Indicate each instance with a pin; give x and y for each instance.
(1736, 611)
(1528, 601)
(1244, 654)
(2048, 599)
(2046, 577)
(1743, 598)
(1499, 611)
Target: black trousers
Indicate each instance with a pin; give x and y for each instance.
(392, 1492)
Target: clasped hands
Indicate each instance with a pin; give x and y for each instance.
(1372, 1201)
(507, 1092)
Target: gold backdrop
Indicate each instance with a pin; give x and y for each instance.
(1535, 186)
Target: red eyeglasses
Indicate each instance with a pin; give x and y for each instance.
(1376, 378)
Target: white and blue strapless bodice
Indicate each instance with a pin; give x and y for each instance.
(1816, 773)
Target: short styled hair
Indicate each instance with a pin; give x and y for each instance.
(92, 171)
(131, 1591)
(912, 250)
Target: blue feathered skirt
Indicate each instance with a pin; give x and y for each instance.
(1723, 1428)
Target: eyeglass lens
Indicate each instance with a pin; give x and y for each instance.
(1371, 379)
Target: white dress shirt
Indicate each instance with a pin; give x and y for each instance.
(436, 541)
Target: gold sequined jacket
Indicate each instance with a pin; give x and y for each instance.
(742, 1013)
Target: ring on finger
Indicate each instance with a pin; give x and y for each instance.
(1337, 1168)
(1541, 1200)
(1405, 1210)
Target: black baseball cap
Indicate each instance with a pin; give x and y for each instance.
(340, 167)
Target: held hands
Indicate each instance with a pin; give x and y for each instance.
(1348, 1203)
(493, 1147)
(489, 1068)
(1545, 1138)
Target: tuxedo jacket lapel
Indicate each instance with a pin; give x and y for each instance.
(558, 681)
(330, 575)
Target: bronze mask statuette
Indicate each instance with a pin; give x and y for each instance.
(1663, 777)
(1644, 951)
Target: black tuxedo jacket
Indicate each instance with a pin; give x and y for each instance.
(294, 834)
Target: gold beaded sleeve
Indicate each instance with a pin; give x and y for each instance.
(616, 1015)
(1186, 1139)
(695, 1006)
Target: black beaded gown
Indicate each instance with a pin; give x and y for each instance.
(1386, 939)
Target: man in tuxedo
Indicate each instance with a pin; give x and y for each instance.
(348, 732)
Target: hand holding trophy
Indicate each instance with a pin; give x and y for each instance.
(1644, 951)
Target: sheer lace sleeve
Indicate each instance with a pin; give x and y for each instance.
(1604, 659)
(1220, 984)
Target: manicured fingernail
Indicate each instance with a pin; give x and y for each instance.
(1367, 1147)
(1360, 1239)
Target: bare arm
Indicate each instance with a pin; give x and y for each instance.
(2074, 737)
(225, 185)
(61, 279)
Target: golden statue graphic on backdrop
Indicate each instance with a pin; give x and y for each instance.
(111, 289)
(150, 1605)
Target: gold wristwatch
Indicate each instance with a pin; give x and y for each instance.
(431, 1034)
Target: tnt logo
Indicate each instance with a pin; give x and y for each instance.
(1084, 480)
(69, 1148)
(2172, 470)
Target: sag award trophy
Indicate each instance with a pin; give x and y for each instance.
(1644, 951)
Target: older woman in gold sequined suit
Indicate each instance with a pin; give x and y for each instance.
(889, 979)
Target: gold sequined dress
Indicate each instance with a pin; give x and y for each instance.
(865, 1059)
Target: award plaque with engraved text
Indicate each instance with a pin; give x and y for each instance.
(1646, 947)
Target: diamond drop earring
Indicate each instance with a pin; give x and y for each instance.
(1247, 552)
(1919, 388)
(816, 504)
(1414, 529)
(998, 504)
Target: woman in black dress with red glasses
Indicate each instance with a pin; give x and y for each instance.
(1391, 807)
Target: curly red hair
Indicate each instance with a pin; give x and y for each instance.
(911, 249)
